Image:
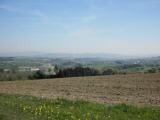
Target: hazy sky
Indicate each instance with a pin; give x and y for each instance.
(80, 26)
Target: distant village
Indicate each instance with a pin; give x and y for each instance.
(47, 69)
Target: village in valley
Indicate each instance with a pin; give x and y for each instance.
(47, 69)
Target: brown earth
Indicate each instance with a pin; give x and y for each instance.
(139, 89)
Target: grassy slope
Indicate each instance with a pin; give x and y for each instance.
(15, 107)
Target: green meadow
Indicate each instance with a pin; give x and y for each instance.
(18, 107)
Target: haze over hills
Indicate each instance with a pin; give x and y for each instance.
(20, 54)
(75, 55)
(66, 55)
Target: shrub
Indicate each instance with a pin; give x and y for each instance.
(152, 70)
(109, 72)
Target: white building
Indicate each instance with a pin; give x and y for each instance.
(48, 69)
(28, 69)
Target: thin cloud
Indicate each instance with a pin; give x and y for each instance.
(38, 13)
(29, 13)
(7, 8)
(88, 18)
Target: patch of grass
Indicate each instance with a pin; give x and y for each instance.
(17, 107)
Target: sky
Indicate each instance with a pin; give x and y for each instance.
(129, 27)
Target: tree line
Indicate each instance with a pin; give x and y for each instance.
(74, 72)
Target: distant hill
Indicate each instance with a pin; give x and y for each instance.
(63, 55)
(20, 54)
(86, 56)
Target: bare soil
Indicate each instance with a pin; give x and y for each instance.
(138, 89)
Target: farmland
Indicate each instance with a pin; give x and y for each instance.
(137, 89)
